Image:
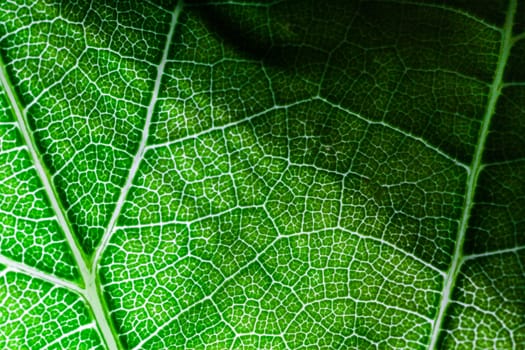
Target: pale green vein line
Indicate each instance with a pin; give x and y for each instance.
(300, 102)
(143, 142)
(228, 125)
(514, 250)
(442, 7)
(518, 37)
(25, 269)
(395, 248)
(505, 162)
(473, 175)
(396, 129)
(93, 298)
(514, 83)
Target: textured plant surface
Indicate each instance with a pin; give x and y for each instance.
(256, 175)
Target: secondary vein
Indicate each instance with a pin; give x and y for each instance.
(25, 269)
(93, 299)
(473, 173)
(143, 142)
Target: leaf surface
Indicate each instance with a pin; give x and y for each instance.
(256, 175)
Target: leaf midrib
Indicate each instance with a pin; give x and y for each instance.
(90, 291)
(473, 174)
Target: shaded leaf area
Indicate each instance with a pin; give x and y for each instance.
(425, 69)
(303, 180)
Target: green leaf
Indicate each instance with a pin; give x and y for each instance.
(262, 175)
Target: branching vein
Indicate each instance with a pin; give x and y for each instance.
(473, 174)
(143, 142)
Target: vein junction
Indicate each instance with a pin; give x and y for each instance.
(473, 174)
